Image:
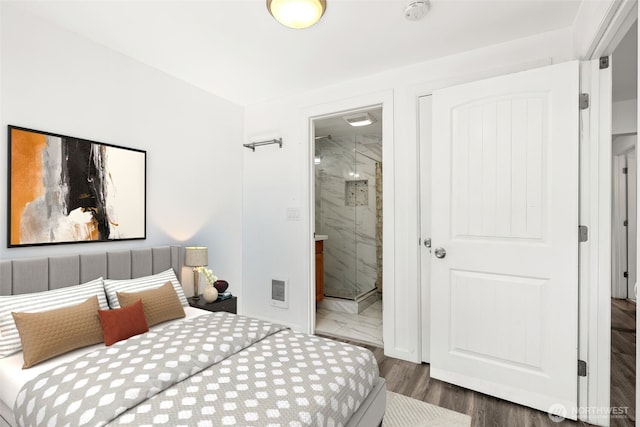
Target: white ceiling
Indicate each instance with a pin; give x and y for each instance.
(235, 49)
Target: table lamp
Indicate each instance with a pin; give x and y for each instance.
(196, 256)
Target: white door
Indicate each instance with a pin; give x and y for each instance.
(632, 229)
(619, 228)
(623, 217)
(504, 297)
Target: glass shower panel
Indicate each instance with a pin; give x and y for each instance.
(365, 221)
(336, 215)
(346, 211)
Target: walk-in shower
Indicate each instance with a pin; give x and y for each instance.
(348, 205)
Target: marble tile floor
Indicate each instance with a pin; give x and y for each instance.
(365, 327)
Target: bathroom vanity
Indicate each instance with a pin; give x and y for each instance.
(320, 238)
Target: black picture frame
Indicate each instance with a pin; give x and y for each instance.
(64, 189)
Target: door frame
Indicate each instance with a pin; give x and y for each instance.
(594, 332)
(425, 123)
(596, 198)
(383, 100)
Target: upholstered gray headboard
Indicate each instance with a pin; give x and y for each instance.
(23, 276)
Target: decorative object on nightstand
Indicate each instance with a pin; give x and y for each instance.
(224, 295)
(210, 294)
(196, 257)
(221, 285)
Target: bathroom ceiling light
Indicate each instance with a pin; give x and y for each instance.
(297, 14)
(360, 119)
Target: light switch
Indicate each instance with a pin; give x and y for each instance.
(293, 214)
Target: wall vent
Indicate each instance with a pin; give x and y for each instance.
(280, 292)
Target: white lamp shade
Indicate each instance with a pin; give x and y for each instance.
(297, 14)
(196, 256)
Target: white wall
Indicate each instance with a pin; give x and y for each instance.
(624, 116)
(275, 179)
(55, 81)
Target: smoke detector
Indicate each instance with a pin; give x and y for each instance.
(416, 9)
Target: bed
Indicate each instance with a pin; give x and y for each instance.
(201, 369)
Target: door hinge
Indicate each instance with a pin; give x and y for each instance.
(582, 368)
(625, 171)
(583, 233)
(626, 223)
(625, 274)
(584, 101)
(604, 62)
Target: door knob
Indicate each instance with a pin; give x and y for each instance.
(440, 253)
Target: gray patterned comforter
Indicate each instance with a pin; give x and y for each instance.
(216, 369)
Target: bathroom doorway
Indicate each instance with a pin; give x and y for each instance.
(624, 229)
(348, 197)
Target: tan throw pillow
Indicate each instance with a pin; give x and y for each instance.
(159, 304)
(37, 302)
(144, 283)
(51, 333)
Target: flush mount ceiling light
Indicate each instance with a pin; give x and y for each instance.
(297, 14)
(360, 119)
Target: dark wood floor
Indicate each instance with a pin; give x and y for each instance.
(414, 381)
(623, 359)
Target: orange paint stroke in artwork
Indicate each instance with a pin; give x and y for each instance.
(92, 232)
(26, 175)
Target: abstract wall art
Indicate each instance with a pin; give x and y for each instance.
(71, 190)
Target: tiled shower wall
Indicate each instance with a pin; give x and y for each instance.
(346, 212)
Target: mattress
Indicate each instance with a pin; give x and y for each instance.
(211, 368)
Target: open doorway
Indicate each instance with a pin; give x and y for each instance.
(624, 226)
(348, 199)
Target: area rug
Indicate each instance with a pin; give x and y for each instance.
(403, 411)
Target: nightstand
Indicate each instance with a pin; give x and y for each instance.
(229, 305)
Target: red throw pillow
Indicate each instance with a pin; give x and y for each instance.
(121, 323)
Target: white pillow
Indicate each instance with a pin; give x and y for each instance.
(142, 283)
(38, 302)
